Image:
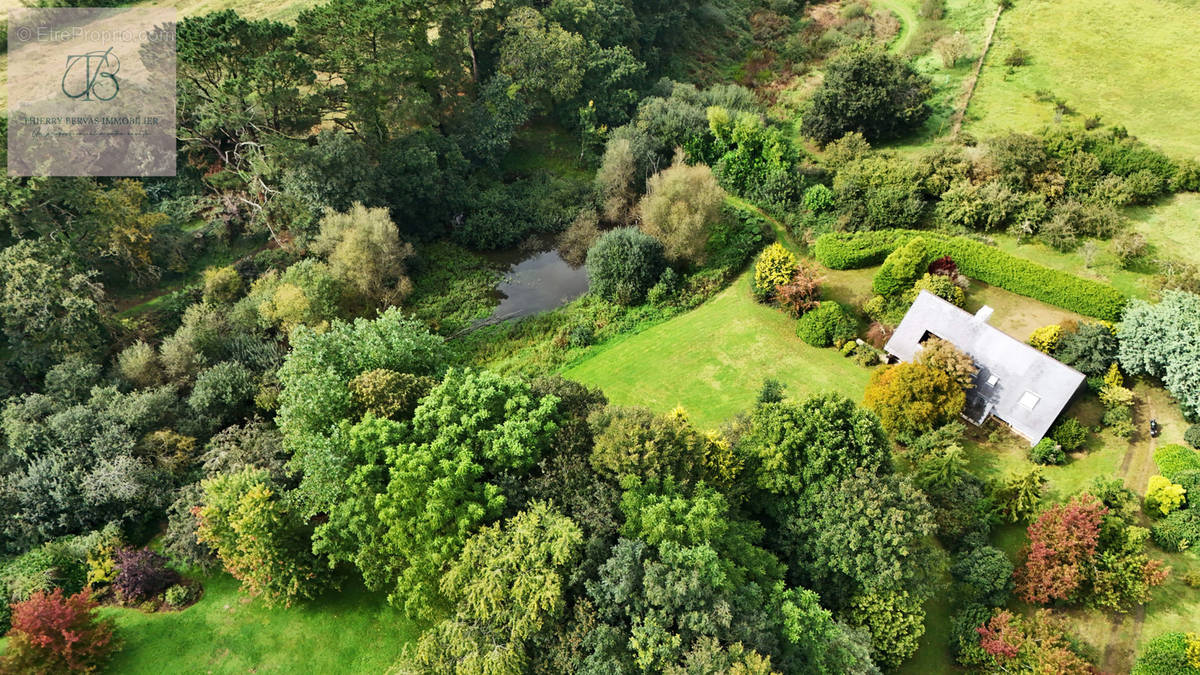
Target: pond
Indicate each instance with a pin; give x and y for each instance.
(537, 280)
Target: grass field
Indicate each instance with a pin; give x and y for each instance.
(713, 359)
(1133, 62)
(352, 631)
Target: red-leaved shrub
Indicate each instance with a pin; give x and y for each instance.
(1062, 542)
(142, 574)
(944, 266)
(54, 634)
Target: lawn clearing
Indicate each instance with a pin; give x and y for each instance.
(351, 631)
(713, 359)
(1133, 62)
(1172, 226)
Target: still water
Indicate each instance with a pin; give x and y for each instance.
(536, 281)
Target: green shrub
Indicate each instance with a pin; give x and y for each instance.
(1172, 459)
(830, 322)
(1166, 654)
(818, 198)
(624, 264)
(1192, 579)
(1192, 436)
(1047, 452)
(177, 595)
(1190, 482)
(979, 261)
(1070, 434)
(1178, 531)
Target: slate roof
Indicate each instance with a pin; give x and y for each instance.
(1016, 383)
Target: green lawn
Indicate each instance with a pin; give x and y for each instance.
(1172, 226)
(712, 360)
(352, 631)
(1133, 62)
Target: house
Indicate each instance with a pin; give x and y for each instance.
(1016, 383)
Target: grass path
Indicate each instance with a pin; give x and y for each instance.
(908, 22)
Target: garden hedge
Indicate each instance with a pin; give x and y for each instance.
(851, 250)
(855, 250)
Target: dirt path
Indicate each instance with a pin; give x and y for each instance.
(1118, 658)
(956, 122)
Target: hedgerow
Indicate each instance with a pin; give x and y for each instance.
(855, 250)
(844, 250)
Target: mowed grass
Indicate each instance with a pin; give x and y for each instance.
(351, 631)
(712, 360)
(1133, 62)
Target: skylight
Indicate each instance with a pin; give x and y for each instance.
(1029, 399)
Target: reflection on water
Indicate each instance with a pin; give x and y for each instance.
(537, 282)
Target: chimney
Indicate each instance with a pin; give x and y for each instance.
(983, 314)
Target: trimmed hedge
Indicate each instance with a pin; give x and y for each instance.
(1174, 459)
(855, 250)
(845, 250)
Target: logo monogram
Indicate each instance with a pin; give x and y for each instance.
(99, 77)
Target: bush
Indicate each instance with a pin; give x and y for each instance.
(776, 266)
(142, 574)
(221, 284)
(879, 192)
(1192, 436)
(1070, 434)
(1178, 531)
(138, 364)
(1190, 481)
(941, 286)
(1045, 339)
(681, 205)
(52, 633)
(1166, 654)
(828, 323)
(624, 264)
(1173, 459)
(1162, 497)
(1192, 579)
(979, 261)
(818, 198)
(177, 596)
(1047, 452)
(223, 392)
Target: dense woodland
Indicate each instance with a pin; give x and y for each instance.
(274, 363)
